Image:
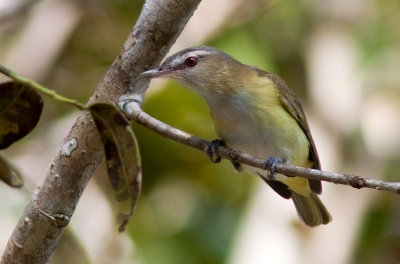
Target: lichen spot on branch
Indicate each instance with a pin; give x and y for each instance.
(69, 147)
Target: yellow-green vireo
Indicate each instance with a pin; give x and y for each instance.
(256, 112)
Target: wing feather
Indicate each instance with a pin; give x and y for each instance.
(293, 106)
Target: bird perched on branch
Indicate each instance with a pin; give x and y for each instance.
(256, 112)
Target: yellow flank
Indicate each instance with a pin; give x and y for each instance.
(292, 142)
(291, 138)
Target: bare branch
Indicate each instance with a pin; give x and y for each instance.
(36, 235)
(134, 112)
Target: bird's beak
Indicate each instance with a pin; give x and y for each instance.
(154, 73)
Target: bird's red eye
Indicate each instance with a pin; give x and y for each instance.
(191, 61)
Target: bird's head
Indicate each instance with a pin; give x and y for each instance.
(203, 69)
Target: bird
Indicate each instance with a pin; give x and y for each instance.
(253, 111)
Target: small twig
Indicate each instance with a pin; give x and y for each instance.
(51, 93)
(58, 220)
(134, 112)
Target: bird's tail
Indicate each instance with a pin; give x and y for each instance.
(311, 210)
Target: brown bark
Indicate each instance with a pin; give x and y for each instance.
(36, 235)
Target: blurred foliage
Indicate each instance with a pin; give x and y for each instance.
(379, 238)
(273, 39)
(379, 33)
(91, 49)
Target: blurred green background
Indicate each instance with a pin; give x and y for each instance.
(340, 57)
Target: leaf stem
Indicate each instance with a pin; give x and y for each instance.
(40, 88)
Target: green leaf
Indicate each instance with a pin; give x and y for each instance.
(9, 174)
(122, 155)
(20, 110)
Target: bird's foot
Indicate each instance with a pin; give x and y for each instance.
(270, 165)
(237, 166)
(212, 150)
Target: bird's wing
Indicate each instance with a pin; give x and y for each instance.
(293, 106)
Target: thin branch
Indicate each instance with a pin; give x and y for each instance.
(134, 112)
(40, 88)
(36, 235)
